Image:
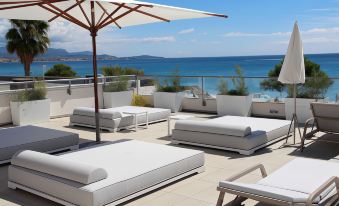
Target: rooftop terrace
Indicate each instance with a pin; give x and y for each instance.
(197, 190)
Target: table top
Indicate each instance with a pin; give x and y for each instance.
(181, 117)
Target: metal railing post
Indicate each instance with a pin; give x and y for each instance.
(202, 92)
(137, 83)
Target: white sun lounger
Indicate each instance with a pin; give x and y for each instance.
(117, 118)
(301, 182)
(35, 138)
(233, 133)
(111, 173)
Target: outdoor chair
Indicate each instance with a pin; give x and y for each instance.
(325, 119)
(301, 182)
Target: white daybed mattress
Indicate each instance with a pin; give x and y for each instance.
(241, 134)
(133, 168)
(34, 138)
(114, 119)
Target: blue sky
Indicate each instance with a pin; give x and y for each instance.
(254, 27)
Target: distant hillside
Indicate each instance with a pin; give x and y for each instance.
(63, 55)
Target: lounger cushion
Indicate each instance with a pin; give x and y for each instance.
(262, 132)
(294, 182)
(104, 113)
(56, 166)
(131, 165)
(226, 128)
(34, 138)
(116, 118)
(266, 191)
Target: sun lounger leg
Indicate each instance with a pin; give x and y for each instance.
(238, 201)
(221, 198)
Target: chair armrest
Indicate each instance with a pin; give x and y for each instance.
(249, 170)
(307, 123)
(317, 192)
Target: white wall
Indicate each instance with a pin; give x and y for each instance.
(62, 104)
(195, 104)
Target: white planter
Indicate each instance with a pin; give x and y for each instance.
(234, 105)
(303, 108)
(31, 112)
(117, 99)
(168, 100)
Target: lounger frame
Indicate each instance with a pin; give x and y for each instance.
(198, 170)
(242, 196)
(73, 147)
(313, 122)
(109, 129)
(240, 151)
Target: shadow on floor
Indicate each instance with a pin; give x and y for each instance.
(319, 149)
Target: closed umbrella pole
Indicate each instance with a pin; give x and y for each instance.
(93, 15)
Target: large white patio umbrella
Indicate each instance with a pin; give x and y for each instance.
(94, 15)
(293, 71)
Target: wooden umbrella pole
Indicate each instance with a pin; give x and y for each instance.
(95, 73)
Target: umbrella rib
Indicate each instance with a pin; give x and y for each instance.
(120, 16)
(217, 15)
(110, 16)
(66, 10)
(147, 14)
(18, 2)
(55, 12)
(83, 11)
(22, 4)
(106, 12)
(69, 16)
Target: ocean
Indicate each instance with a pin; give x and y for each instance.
(253, 66)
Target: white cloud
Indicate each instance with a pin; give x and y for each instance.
(142, 40)
(186, 31)
(314, 31)
(242, 34)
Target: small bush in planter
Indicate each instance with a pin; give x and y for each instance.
(119, 71)
(38, 92)
(172, 86)
(140, 101)
(119, 85)
(61, 70)
(315, 87)
(239, 84)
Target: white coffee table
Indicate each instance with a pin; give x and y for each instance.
(177, 117)
(136, 115)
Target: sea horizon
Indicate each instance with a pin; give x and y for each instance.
(253, 66)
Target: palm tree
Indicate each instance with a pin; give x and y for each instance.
(27, 39)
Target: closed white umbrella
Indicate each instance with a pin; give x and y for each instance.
(94, 15)
(293, 70)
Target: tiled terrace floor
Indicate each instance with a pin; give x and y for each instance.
(198, 190)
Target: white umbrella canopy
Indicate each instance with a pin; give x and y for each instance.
(94, 15)
(293, 69)
(120, 13)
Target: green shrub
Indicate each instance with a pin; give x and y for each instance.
(222, 87)
(239, 84)
(119, 71)
(61, 70)
(117, 85)
(38, 92)
(315, 87)
(173, 85)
